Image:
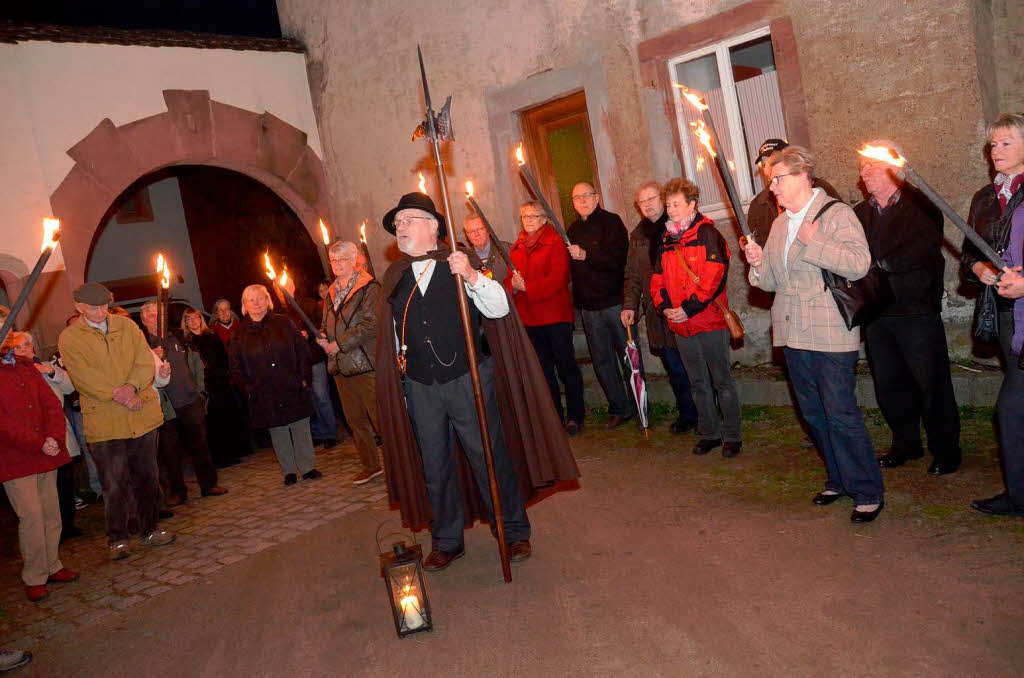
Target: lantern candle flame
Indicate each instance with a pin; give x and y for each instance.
(51, 233)
(411, 612)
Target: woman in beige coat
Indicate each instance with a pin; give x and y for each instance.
(821, 354)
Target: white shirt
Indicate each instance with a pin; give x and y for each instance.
(102, 327)
(487, 294)
(795, 221)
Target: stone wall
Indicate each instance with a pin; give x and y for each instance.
(905, 71)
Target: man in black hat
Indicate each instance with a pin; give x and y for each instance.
(763, 209)
(423, 372)
(112, 367)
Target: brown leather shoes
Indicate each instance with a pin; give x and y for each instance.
(519, 550)
(438, 560)
(215, 491)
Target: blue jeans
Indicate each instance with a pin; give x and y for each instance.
(323, 424)
(825, 387)
(606, 340)
(679, 381)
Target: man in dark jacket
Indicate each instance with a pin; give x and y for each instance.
(480, 240)
(644, 249)
(906, 346)
(350, 322)
(763, 209)
(186, 432)
(598, 253)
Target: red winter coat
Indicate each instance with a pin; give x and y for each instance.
(707, 255)
(545, 268)
(29, 414)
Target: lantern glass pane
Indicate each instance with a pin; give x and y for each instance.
(408, 597)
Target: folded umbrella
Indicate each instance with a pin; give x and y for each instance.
(635, 363)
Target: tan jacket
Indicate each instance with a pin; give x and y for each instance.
(98, 363)
(355, 328)
(804, 314)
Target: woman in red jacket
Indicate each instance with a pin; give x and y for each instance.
(540, 290)
(31, 449)
(689, 275)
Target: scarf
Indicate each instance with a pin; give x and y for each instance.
(1005, 187)
(675, 228)
(341, 293)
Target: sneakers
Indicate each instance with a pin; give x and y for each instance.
(367, 476)
(312, 475)
(37, 593)
(119, 550)
(63, 576)
(157, 537)
(290, 479)
(12, 659)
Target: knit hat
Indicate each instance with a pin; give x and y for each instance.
(94, 294)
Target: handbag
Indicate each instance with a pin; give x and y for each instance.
(732, 320)
(859, 301)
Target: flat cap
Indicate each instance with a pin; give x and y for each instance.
(93, 293)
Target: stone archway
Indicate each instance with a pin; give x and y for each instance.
(195, 130)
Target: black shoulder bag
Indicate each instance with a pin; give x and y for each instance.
(859, 301)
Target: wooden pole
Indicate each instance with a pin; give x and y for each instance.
(467, 331)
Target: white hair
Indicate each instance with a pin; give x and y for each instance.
(256, 289)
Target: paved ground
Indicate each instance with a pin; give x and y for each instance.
(660, 564)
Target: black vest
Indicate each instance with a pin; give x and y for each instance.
(436, 348)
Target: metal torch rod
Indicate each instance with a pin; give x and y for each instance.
(951, 214)
(369, 261)
(723, 169)
(544, 203)
(295, 305)
(44, 256)
(494, 236)
(467, 331)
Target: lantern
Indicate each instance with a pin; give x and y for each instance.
(402, 569)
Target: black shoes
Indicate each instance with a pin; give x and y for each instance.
(866, 516)
(999, 505)
(572, 427)
(895, 460)
(682, 425)
(290, 479)
(704, 446)
(824, 499)
(312, 475)
(731, 448)
(937, 469)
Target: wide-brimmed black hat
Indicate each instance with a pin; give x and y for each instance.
(417, 201)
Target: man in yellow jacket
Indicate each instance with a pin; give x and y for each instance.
(112, 367)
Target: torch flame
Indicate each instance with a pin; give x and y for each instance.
(165, 279)
(270, 268)
(423, 183)
(159, 262)
(362, 232)
(731, 164)
(690, 96)
(469, 188)
(323, 233)
(284, 278)
(519, 154)
(700, 163)
(51, 232)
(703, 136)
(884, 154)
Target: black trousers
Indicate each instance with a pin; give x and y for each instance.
(436, 412)
(227, 433)
(186, 434)
(910, 365)
(131, 491)
(553, 345)
(66, 496)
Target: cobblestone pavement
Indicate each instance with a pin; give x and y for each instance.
(213, 532)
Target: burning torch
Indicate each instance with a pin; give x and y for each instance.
(540, 196)
(490, 231)
(51, 234)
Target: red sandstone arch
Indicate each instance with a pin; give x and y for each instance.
(195, 130)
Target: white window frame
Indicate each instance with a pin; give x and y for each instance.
(744, 185)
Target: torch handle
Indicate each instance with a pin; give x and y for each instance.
(957, 220)
(494, 236)
(723, 169)
(44, 256)
(302, 314)
(369, 261)
(544, 203)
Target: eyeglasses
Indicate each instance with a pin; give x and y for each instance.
(583, 196)
(338, 260)
(648, 201)
(775, 179)
(402, 223)
(532, 216)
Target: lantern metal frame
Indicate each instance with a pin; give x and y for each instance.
(409, 559)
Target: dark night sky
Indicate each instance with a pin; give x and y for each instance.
(228, 17)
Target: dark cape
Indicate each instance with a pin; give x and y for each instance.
(537, 444)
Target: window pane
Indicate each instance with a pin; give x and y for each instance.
(757, 89)
(701, 74)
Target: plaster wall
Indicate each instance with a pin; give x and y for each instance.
(869, 68)
(56, 93)
(167, 233)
